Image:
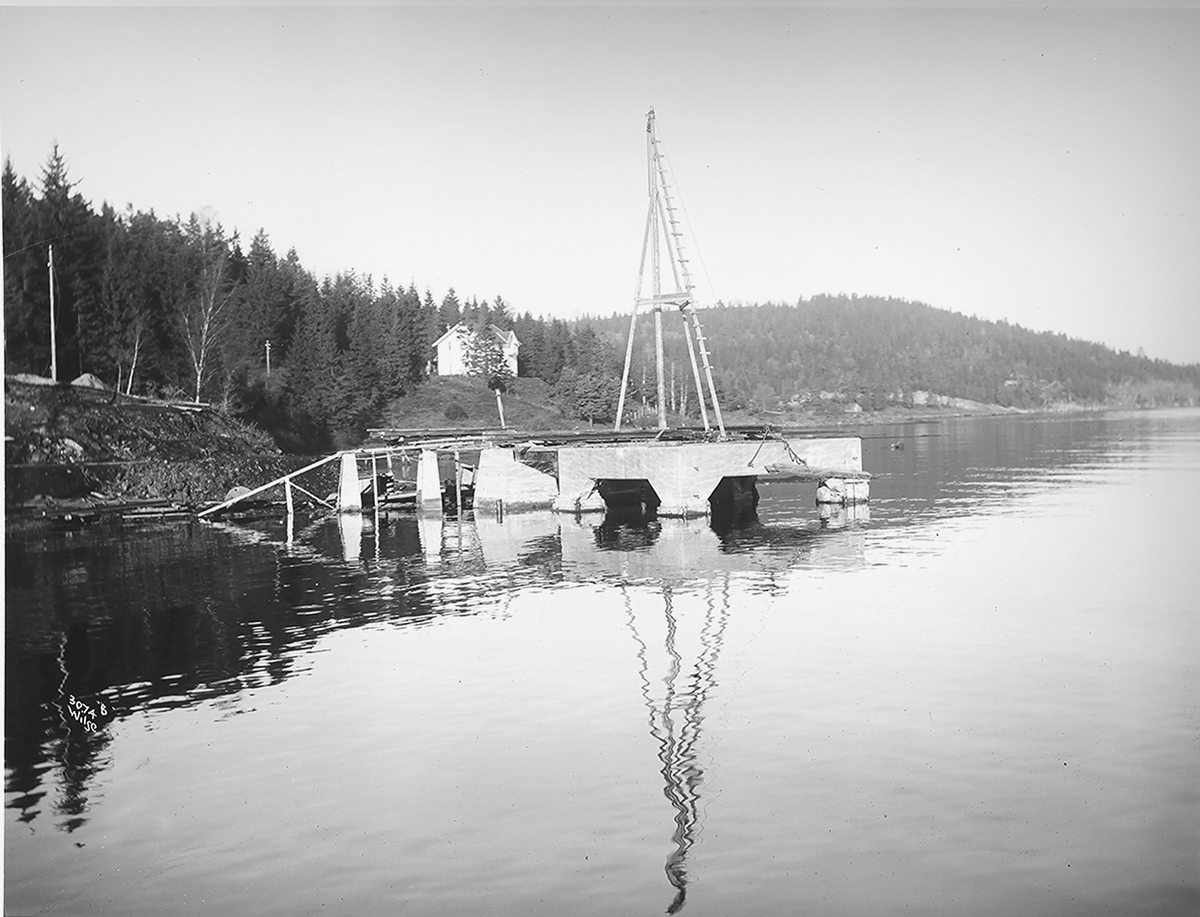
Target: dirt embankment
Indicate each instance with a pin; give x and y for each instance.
(70, 441)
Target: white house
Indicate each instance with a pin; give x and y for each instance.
(451, 349)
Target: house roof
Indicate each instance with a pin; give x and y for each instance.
(461, 328)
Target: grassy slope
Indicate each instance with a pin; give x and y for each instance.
(527, 406)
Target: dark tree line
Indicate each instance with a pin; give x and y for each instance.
(179, 308)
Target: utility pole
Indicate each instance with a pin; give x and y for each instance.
(268, 359)
(53, 330)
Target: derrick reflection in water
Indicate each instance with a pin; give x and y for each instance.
(676, 717)
(678, 562)
(690, 647)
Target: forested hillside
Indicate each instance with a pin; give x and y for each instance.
(181, 308)
(876, 351)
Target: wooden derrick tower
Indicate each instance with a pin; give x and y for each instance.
(663, 234)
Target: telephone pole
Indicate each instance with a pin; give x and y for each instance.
(53, 330)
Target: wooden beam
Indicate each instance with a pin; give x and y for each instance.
(268, 486)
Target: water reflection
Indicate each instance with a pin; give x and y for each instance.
(350, 528)
(157, 618)
(164, 617)
(682, 550)
(676, 716)
(688, 661)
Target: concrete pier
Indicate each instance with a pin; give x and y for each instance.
(502, 481)
(678, 479)
(671, 478)
(429, 482)
(349, 490)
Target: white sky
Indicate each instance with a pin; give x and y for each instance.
(1036, 164)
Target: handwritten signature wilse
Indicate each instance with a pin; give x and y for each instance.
(84, 713)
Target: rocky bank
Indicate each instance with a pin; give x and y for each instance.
(72, 440)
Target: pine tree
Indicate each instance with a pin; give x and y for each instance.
(450, 313)
(313, 362)
(500, 315)
(430, 323)
(77, 260)
(531, 332)
(24, 344)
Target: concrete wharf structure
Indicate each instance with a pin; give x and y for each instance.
(675, 479)
(680, 479)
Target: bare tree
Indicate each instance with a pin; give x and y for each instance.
(205, 312)
(137, 330)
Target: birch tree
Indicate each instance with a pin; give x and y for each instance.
(205, 313)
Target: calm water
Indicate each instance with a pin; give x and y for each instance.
(983, 697)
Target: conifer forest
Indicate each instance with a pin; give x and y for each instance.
(183, 308)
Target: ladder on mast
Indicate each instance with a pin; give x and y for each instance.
(662, 225)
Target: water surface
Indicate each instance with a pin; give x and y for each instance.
(979, 696)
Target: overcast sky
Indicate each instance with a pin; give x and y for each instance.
(1040, 165)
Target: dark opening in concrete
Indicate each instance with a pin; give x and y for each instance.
(734, 501)
(628, 493)
(738, 489)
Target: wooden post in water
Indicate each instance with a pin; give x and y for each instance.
(375, 498)
(458, 491)
(458, 498)
(291, 515)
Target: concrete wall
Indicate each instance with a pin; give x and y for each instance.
(684, 475)
(502, 478)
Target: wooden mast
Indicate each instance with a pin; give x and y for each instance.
(655, 275)
(662, 225)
